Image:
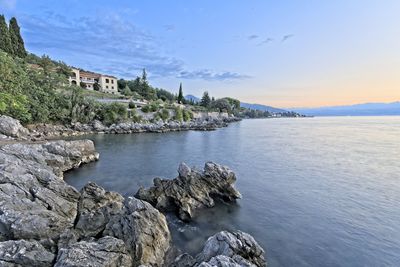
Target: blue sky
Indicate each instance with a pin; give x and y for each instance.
(281, 53)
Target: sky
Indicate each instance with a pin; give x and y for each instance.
(299, 53)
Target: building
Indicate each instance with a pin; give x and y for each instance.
(94, 81)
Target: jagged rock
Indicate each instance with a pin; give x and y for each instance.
(240, 247)
(35, 203)
(144, 231)
(24, 253)
(184, 260)
(12, 127)
(95, 207)
(98, 126)
(107, 251)
(192, 189)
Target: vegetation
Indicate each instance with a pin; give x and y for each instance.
(180, 94)
(34, 89)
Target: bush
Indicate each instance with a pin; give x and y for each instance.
(178, 114)
(131, 105)
(113, 113)
(164, 114)
(187, 115)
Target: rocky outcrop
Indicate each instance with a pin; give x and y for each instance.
(192, 189)
(41, 216)
(234, 249)
(35, 203)
(12, 128)
(142, 228)
(107, 251)
(24, 253)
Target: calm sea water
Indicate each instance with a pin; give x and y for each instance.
(316, 191)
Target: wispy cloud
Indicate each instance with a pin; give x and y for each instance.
(108, 44)
(252, 37)
(212, 76)
(169, 27)
(266, 41)
(286, 37)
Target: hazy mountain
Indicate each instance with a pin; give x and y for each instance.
(261, 107)
(244, 105)
(367, 109)
(192, 97)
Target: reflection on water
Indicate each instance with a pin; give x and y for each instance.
(316, 191)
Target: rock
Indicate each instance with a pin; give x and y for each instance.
(98, 126)
(95, 207)
(12, 127)
(106, 251)
(184, 170)
(240, 247)
(192, 189)
(24, 253)
(184, 260)
(144, 231)
(35, 203)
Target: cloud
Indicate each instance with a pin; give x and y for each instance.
(286, 37)
(212, 76)
(252, 37)
(8, 4)
(106, 43)
(266, 41)
(169, 27)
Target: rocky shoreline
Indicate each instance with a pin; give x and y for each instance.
(46, 222)
(46, 131)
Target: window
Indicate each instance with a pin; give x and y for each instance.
(106, 86)
(107, 80)
(112, 81)
(112, 87)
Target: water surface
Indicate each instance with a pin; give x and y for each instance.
(316, 191)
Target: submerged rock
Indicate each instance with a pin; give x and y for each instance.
(231, 249)
(106, 251)
(192, 189)
(12, 127)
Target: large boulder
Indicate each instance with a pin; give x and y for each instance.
(230, 249)
(35, 203)
(139, 225)
(144, 231)
(12, 127)
(24, 253)
(106, 251)
(96, 206)
(192, 189)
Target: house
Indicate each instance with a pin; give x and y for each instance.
(94, 81)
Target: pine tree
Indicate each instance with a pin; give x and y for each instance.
(16, 39)
(5, 40)
(180, 95)
(205, 100)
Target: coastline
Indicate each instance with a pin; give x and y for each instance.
(46, 222)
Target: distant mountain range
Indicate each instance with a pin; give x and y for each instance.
(368, 109)
(245, 105)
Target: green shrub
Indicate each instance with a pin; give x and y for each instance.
(131, 105)
(187, 115)
(113, 113)
(163, 114)
(178, 114)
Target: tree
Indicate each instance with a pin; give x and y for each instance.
(5, 40)
(16, 39)
(127, 91)
(222, 105)
(180, 94)
(205, 100)
(144, 76)
(96, 86)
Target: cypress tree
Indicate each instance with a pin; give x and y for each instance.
(180, 95)
(16, 39)
(5, 40)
